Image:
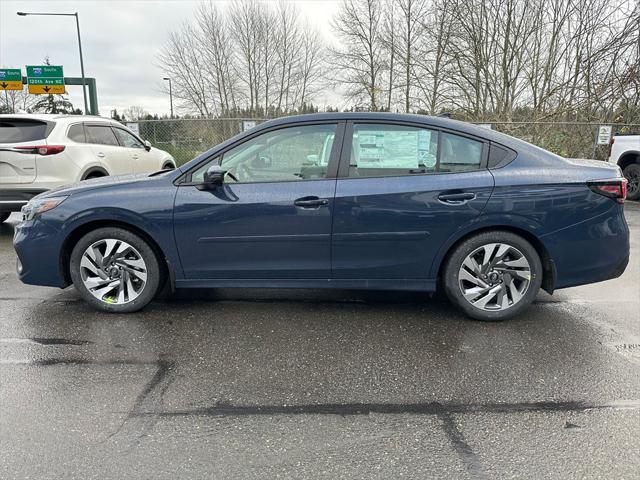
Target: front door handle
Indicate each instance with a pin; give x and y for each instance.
(456, 198)
(100, 154)
(310, 202)
(135, 157)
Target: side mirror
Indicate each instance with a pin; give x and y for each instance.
(147, 145)
(213, 178)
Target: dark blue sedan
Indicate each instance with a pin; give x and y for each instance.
(353, 201)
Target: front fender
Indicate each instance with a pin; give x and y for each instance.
(147, 207)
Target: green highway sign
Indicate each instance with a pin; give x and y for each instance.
(10, 79)
(45, 79)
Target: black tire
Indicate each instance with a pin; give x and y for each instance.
(470, 245)
(4, 216)
(154, 271)
(169, 166)
(94, 175)
(632, 174)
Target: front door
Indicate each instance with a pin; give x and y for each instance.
(107, 149)
(401, 193)
(141, 160)
(271, 219)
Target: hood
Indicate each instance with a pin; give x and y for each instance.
(95, 183)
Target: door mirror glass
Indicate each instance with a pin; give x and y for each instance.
(147, 145)
(261, 162)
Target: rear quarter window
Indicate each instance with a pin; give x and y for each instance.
(76, 133)
(500, 156)
(22, 130)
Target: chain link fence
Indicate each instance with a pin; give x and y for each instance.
(187, 138)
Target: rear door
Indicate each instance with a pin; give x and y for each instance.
(18, 165)
(105, 146)
(402, 191)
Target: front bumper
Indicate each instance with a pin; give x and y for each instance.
(38, 245)
(12, 200)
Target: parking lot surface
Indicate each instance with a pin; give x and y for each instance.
(313, 384)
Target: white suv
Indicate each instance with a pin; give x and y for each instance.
(41, 152)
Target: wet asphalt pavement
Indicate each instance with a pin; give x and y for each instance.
(307, 384)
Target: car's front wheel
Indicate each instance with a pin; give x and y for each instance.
(115, 270)
(493, 275)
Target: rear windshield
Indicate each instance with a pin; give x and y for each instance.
(22, 130)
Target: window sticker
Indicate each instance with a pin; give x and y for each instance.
(425, 157)
(394, 149)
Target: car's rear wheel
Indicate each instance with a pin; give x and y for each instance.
(632, 174)
(115, 270)
(493, 276)
(4, 216)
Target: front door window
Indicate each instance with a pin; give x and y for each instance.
(285, 155)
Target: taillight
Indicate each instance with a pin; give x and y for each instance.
(616, 188)
(41, 149)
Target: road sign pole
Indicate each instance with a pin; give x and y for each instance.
(84, 83)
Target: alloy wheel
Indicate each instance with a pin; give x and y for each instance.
(113, 271)
(494, 276)
(633, 182)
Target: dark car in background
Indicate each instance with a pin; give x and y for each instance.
(345, 200)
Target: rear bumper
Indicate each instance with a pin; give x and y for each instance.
(12, 200)
(591, 251)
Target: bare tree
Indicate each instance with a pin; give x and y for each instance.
(182, 61)
(359, 60)
(17, 101)
(410, 14)
(216, 45)
(135, 112)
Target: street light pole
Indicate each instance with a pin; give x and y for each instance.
(84, 83)
(170, 95)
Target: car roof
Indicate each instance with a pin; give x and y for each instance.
(54, 117)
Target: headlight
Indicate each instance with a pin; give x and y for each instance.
(37, 206)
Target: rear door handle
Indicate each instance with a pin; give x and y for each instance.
(100, 154)
(310, 202)
(456, 198)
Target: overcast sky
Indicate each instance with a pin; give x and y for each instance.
(120, 40)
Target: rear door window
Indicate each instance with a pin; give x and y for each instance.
(392, 150)
(22, 130)
(101, 135)
(76, 133)
(383, 150)
(459, 154)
